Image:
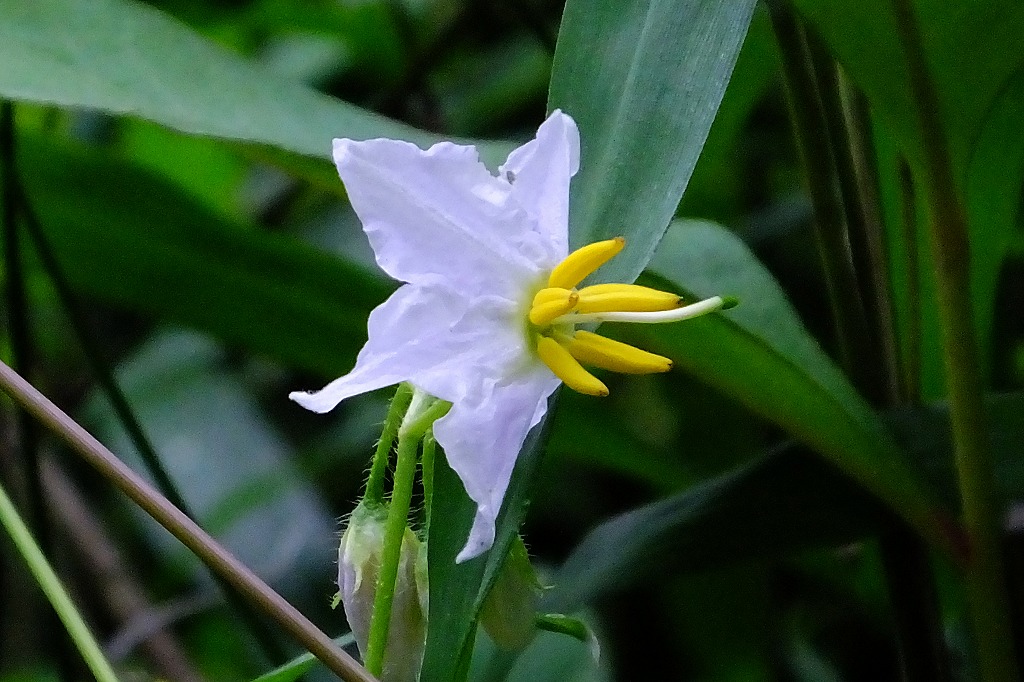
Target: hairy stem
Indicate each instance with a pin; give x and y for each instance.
(427, 467)
(394, 534)
(379, 467)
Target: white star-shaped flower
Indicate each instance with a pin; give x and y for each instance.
(486, 318)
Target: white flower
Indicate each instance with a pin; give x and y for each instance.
(486, 317)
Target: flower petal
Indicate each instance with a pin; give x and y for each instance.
(541, 170)
(439, 212)
(482, 440)
(433, 336)
(408, 334)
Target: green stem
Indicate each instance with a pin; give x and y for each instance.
(394, 534)
(912, 343)
(870, 258)
(181, 526)
(378, 469)
(810, 128)
(985, 575)
(54, 591)
(427, 467)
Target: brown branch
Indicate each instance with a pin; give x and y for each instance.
(183, 528)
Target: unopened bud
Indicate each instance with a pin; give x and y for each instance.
(510, 610)
(359, 559)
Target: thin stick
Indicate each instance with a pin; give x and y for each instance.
(183, 528)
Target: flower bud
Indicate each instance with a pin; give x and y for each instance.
(509, 612)
(359, 559)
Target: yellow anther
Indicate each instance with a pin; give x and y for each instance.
(550, 294)
(583, 261)
(599, 351)
(542, 314)
(626, 298)
(568, 369)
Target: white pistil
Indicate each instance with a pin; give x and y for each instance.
(686, 312)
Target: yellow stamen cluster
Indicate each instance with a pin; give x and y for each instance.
(557, 308)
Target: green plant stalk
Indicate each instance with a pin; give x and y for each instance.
(427, 469)
(985, 574)
(378, 469)
(54, 591)
(911, 386)
(181, 526)
(810, 128)
(394, 533)
(871, 260)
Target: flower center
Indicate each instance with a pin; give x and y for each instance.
(560, 306)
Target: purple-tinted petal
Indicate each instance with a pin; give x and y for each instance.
(482, 440)
(439, 213)
(540, 173)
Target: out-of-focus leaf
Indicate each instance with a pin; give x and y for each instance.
(924, 432)
(130, 239)
(780, 503)
(761, 355)
(979, 97)
(720, 182)
(123, 57)
(551, 657)
(230, 464)
(995, 182)
(487, 90)
(643, 81)
(598, 435)
(865, 39)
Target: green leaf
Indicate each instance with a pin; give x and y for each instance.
(761, 355)
(451, 620)
(643, 81)
(925, 434)
(128, 238)
(778, 504)
(993, 198)
(124, 57)
(781, 503)
(457, 591)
